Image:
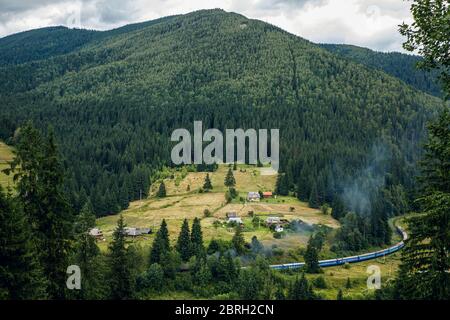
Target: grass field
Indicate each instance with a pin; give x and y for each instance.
(183, 202)
(5, 156)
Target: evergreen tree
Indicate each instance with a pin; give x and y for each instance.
(311, 257)
(282, 185)
(238, 241)
(121, 267)
(161, 243)
(161, 191)
(338, 209)
(348, 284)
(40, 188)
(301, 290)
(340, 295)
(184, 246)
(229, 179)
(314, 197)
(424, 272)
(21, 276)
(207, 185)
(198, 248)
(87, 257)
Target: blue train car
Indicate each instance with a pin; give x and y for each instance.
(351, 259)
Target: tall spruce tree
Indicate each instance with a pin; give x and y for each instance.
(161, 190)
(301, 290)
(314, 201)
(161, 244)
(198, 248)
(184, 246)
(121, 276)
(229, 179)
(238, 241)
(311, 256)
(87, 256)
(425, 260)
(21, 276)
(39, 176)
(207, 185)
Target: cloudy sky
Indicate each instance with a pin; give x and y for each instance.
(368, 23)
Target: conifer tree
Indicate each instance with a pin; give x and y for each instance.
(39, 176)
(198, 248)
(238, 241)
(184, 246)
(229, 179)
(314, 197)
(161, 191)
(21, 275)
(424, 272)
(312, 257)
(121, 267)
(340, 295)
(161, 243)
(301, 290)
(87, 257)
(282, 185)
(207, 185)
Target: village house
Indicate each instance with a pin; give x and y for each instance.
(253, 196)
(133, 232)
(96, 233)
(267, 194)
(272, 220)
(279, 228)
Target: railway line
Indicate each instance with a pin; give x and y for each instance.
(351, 259)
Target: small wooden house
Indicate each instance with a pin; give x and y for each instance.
(267, 194)
(253, 196)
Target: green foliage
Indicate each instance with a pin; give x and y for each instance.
(320, 283)
(229, 179)
(198, 248)
(301, 290)
(429, 34)
(121, 277)
(207, 185)
(21, 276)
(39, 175)
(238, 241)
(161, 243)
(398, 65)
(152, 279)
(161, 190)
(311, 256)
(184, 245)
(282, 185)
(87, 256)
(424, 270)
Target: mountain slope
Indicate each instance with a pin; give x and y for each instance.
(115, 101)
(398, 65)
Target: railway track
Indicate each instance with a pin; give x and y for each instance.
(351, 259)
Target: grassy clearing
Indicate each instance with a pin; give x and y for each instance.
(6, 155)
(182, 203)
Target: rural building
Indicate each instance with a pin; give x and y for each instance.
(232, 214)
(237, 220)
(253, 196)
(273, 220)
(279, 228)
(96, 233)
(133, 232)
(267, 194)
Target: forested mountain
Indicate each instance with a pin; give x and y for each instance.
(115, 100)
(402, 66)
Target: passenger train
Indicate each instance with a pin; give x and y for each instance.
(352, 259)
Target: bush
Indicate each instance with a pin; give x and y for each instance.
(207, 213)
(320, 283)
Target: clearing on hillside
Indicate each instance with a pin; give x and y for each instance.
(6, 155)
(186, 200)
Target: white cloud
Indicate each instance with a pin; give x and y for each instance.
(368, 23)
